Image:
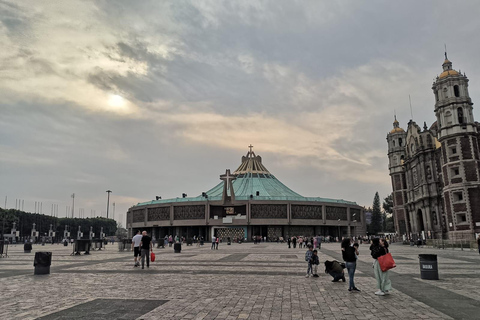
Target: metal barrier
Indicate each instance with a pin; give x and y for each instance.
(452, 244)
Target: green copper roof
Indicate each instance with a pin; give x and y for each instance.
(250, 177)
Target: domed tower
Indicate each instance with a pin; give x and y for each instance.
(457, 133)
(396, 155)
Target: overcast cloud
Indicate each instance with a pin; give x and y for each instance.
(160, 97)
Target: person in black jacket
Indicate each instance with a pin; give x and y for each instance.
(478, 242)
(349, 254)
(379, 248)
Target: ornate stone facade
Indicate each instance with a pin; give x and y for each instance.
(435, 170)
(335, 213)
(268, 211)
(139, 215)
(157, 214)
(233, 233)
(306, 212)
(189, 212)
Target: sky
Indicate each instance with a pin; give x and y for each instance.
(158, 98)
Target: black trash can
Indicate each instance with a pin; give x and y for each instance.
(42, 262)
(428, 266)
(65, 243)
(189, 242)
(177, 247)
(27, 248)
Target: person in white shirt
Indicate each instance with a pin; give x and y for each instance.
(213, 242)
(136, 247)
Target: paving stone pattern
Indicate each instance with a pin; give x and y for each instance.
(241, 281)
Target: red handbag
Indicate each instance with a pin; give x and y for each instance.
(386, 262)
(152, 256)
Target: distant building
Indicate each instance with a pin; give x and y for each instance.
(248, 202)
(435, 171)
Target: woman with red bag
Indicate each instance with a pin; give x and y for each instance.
(379, 248)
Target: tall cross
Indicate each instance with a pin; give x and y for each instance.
(227, 177)
(251, 147)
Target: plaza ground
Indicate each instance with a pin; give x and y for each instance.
(240, 281)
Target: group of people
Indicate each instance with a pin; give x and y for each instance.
(314, 242)
(350, 253)
(142, 246)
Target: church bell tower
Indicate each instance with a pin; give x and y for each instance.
(460, 158)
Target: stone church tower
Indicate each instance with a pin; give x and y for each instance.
(458, 135)
(435, 171)
(396, 156)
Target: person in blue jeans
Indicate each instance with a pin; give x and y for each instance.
(349, 254)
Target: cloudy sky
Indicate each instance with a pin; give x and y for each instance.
(154, 98)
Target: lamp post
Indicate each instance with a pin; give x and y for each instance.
(108, 200)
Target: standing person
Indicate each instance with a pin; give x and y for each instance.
(349, 254)
(170, 241)
(308, 258)
(146, 247)
(214, 240)
(294, 241)
(314, 261)
(315, 242)
(478, 242)
(136, 248)
(289, 242)
(379, 248)
(300, 242)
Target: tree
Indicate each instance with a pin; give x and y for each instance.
(388, 225)
(376, 224)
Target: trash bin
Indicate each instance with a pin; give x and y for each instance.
(428, 266)
(27, 248)
(42, 262)
(177, 247)
(65, 243)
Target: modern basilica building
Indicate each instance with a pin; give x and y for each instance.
(248, 202)
(435, 171)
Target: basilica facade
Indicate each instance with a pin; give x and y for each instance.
(435, 171)
(248, 202)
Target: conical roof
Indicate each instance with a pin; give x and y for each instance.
(252, 177)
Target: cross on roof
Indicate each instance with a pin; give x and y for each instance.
(251, 147)
(227, 176)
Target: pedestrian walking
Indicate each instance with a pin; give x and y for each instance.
(136, 248)
(349, 255)
(294, 241)
(379, 248)
(146, 246)
(289, 242)
(216, 243)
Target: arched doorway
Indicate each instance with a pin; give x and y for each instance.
(421, 226)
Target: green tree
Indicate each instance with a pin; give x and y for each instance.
(376, 224)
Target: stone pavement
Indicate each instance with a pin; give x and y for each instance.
(241, 281)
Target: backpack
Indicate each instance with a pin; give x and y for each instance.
(308, 255)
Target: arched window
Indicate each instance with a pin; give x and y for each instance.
(436, 95)
(456, 90)
(393, 143)
(460, 115)
(399, 142)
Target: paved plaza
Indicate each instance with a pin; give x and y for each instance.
(240, 281)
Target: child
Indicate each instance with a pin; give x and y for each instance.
(308, 257)
(314, 262)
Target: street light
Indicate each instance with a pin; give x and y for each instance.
(108, 200)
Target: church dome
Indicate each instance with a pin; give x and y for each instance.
(397, 130)
(447, 73)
